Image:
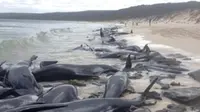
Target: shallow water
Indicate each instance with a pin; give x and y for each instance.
(50, 40)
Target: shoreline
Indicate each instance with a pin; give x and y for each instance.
(174, 35)
(144, 34)
(159, 38)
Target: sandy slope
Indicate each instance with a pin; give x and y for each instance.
(182, 36)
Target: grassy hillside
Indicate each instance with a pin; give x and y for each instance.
(142, 11)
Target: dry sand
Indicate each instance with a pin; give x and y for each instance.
(182, 36)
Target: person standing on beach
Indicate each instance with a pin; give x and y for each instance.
(149, 22)
(101, 33)
(131, 31)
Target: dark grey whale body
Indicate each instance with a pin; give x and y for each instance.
(89, 48)
(56, 72)
(2, 85)
(46, 63)
(116, 85)
(114, 54)
(93, 69)
(6, 92)
(132, 48)
(102, 50)
(2, 74)
(16, 102)
(5, 67)
(20, 77)
(3, 71)
(60, 94)
(86, 105)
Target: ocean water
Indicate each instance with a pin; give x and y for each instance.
(50, 40)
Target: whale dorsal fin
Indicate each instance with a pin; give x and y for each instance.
(128, 62)
(34, 57)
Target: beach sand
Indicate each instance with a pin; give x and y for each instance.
(182, 36)
(174, 37)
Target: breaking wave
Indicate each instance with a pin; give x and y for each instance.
(12, 46)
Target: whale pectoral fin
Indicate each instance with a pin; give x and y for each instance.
(146, 91)
(104, 94)
(130, 89)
